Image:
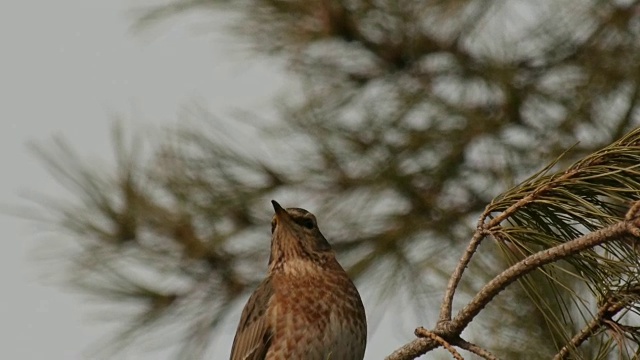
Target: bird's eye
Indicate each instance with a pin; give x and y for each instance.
(273, 225)
(306, 222)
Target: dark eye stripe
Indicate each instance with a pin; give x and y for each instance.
(305, 222)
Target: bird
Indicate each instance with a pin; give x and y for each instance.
(307, 307)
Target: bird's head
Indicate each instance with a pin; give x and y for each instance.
(295, 235)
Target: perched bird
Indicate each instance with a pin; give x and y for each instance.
(306, 307)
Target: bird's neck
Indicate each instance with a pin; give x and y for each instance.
(302, 266)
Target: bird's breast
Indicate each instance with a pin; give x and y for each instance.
(316, 314)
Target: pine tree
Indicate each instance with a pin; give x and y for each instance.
(415, 119)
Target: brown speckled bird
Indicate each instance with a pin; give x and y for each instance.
(307, 307)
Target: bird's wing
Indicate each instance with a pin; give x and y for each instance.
(253, 336)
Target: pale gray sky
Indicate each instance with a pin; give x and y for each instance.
(66, 67)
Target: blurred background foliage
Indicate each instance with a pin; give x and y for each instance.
(407, 118)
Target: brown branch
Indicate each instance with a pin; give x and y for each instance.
(413, 349)
(532, 262)
(422, 332)
(456, 276)
(473, 348)
(482, 230)
(605, 313)
(632, 214)
(452, 329)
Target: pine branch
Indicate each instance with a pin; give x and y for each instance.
(483, 353)
(456, 276)
(611, 307)
(453, 329)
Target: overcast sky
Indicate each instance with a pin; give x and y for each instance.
(66, 67)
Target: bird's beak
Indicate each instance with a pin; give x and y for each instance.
(282, 216)
(281, 213)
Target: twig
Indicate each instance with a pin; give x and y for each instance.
(527, 199)
(452, 329)
(532, 262)
(632, 214)
(605, 313)
(413, 349)
(483, 353)
(481, 232)
(456, 276)
(422, 332)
